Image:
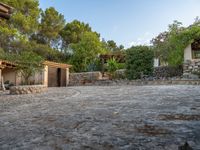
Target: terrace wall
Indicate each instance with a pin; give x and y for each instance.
(76, 79)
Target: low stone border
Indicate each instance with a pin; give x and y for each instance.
(84, 78)
(141, 83)
(27, 89)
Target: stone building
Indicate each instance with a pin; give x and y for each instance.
(53, 75)
(192, 58)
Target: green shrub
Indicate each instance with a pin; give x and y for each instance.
(139, 60)
(112, 66)
(121, 66)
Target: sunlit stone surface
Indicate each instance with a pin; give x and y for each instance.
(112, 117)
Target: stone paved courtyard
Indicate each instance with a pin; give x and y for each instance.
(124, 117)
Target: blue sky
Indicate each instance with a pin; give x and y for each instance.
(128, 22)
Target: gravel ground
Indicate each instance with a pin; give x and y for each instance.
(124, 117)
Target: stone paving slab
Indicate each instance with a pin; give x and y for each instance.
(115, 117)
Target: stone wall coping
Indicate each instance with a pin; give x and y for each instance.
(86, 73)
(140, 82)
(24, 86)
(27, 89)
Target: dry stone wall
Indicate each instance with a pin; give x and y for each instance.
(32, 89)
(168, 71)
(84, 78)
(143, 82)
(191, 68)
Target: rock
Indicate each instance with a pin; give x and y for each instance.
(186, 146)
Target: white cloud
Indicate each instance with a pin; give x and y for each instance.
(143, 40)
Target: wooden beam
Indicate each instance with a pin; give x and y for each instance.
(1, 66)
(10, 9)
(67, 76)
(4, 15)
(57, 65)
(4, 9)
(45, 75)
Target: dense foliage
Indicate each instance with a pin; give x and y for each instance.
(169, 46)
(28, 63)
(46, 34)
(139, 61)
(112, 66)
(86, 51)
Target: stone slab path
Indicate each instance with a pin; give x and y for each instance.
(102, 118)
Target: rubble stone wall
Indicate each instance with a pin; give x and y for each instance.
(32, 89)
(191, 66)
(76, 79)
(141, 82)
(168, 71)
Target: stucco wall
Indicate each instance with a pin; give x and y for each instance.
(9, 75)
(48, 76)
(37, 78)
(188, 53)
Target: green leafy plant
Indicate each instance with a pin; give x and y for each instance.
(169, 46)
(112, 66)
(85, 52)
(28, 63)
(139, 60)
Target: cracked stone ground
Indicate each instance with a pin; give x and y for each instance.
(124, 117)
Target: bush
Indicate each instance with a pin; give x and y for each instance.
(112, 65)
(121, 65)
(139, 60)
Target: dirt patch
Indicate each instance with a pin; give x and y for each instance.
(152, 130)
(179, 117)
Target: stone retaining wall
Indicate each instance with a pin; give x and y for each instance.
(84, 78)
(159, 72)
(191, 67)
(168, 71)
(141, 83)
(120, 74)
(32, 89)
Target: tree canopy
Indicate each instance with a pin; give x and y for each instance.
(48, 35)
(86, 51)
(169, 46)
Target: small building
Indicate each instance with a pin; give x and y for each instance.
(192, 51)
(53, 75)
(192, 58)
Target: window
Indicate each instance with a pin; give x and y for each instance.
(196, 54)
(196, 50)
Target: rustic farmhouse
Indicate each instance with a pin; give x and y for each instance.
(53, 75)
